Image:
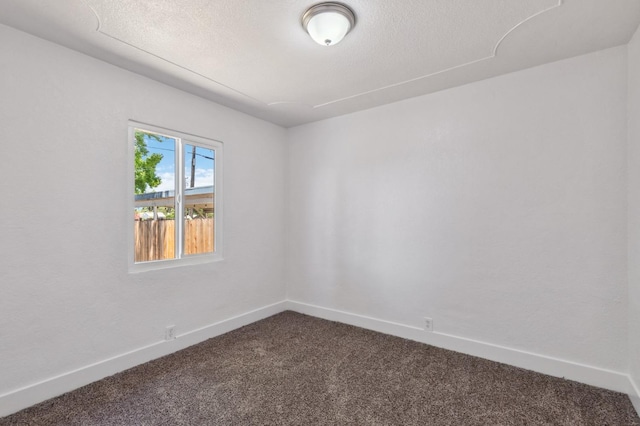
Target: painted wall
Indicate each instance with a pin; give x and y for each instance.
(634, 212)
(67, 299)
(496, 208)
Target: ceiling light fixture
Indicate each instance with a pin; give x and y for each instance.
(328, 23)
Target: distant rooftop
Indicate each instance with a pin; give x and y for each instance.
(200, 198)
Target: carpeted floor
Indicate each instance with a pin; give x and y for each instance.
(292, 369)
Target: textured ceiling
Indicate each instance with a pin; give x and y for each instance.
(254, 56)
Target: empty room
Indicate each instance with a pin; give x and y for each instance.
(288, 212)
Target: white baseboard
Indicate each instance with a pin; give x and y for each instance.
(634, 395)
(587, 374)
(32, 394)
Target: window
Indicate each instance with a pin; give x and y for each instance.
(176, 202)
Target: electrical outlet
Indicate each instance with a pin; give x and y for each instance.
(170, 332)
(428, 324)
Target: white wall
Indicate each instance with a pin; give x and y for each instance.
(497, 208)
(67, 299)
(634, 214)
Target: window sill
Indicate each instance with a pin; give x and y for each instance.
(136, 268)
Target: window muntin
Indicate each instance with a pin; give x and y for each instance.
(177, 198)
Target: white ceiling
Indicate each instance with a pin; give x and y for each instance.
(254, 56)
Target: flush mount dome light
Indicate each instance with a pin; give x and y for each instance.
(328, 23)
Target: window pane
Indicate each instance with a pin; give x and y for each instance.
(199, 208)
(154, 211)
(154, 233)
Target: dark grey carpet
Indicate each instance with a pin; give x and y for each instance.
(292, 369)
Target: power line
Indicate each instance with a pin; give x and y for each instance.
(173, 150)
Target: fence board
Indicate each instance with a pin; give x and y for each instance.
(155, 239)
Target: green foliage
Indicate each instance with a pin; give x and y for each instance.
(145, 163)
(169, 212)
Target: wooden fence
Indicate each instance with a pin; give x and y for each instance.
(155, 239)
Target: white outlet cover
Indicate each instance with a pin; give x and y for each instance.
(428, 324)
(170, 332)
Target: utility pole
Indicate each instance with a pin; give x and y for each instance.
(193, 171)
(193, 167)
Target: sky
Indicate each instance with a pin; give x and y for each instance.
(166, 168)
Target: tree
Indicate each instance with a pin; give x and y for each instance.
(145, 163)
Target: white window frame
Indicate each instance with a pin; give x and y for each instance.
(182, 139)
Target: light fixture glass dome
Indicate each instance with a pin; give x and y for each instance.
(328, 23)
